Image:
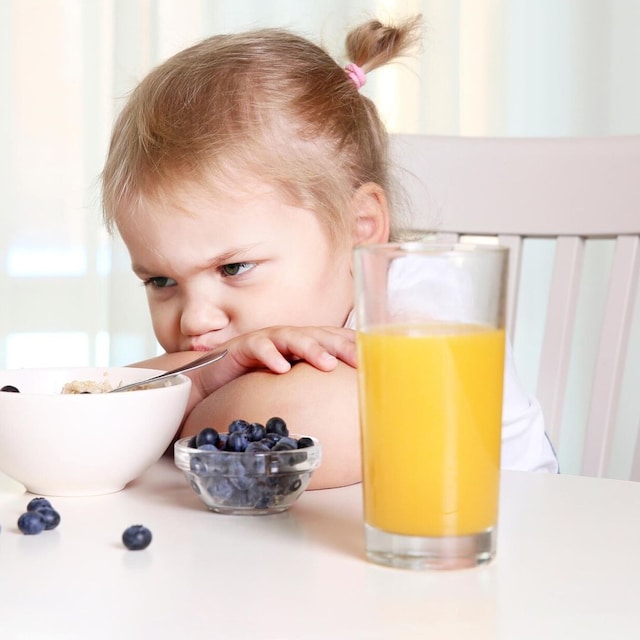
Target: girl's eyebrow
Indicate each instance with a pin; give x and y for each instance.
(237, 254)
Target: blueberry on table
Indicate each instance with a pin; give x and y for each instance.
(50, 516)
(31, 523)
(10, 388)
(277, 425)
(136, 537)
(37, 503)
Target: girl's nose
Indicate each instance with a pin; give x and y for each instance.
(201, 316)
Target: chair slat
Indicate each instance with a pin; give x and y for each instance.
(514, 243)
(610, 361)
(558, 333)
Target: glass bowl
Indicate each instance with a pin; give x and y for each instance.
(247, 482)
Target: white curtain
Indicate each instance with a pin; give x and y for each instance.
(488, 67)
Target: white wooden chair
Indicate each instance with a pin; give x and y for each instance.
(569, 189)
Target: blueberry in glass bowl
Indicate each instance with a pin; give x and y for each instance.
(252, 469)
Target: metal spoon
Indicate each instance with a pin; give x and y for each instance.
(207, 358)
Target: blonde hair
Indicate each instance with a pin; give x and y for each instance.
(266, 102)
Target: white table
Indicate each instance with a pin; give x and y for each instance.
(568, 566)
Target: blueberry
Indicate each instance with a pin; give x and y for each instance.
(295, 485)
(136, 537)
(236, 466)
(207, 436)
(256, 431)
(237, 441)
(305, 442)
(222, 441)
(192, 443)
(31, 523)
(242, 483)
(296, 457)
(208, 447)
(259, 496)
(262, 501)
(285, 444)
(258, 446)
(38, 503)
(279, 485)
(220, 489)
(197, 465)
(238, 425)
(277, 425)
(10, 388)
(271, 438)
(256, 465)
(238, 475)
(50, 516)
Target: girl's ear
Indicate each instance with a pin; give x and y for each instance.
(371, 214)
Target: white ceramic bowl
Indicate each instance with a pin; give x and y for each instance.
(87, 444)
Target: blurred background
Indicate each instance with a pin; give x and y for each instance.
(488, 67)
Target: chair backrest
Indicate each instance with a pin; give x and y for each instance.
(571, 190)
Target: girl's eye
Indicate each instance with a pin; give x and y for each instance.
(237, 268)
(160, 282)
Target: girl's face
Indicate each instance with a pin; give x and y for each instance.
(217, 267)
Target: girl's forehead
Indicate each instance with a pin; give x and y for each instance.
(249, 208)
(236, 190)
(190, 200)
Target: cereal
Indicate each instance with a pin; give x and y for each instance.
(86, 386)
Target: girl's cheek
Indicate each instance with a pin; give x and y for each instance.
(166, 323)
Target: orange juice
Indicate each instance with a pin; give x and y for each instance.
(431, 414)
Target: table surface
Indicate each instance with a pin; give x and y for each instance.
(568, 566)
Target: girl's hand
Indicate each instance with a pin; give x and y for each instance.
(275, 349)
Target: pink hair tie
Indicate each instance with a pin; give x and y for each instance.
(356, 74)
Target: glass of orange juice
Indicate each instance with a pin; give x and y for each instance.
(431, 343)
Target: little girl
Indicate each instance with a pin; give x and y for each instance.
(241, 174)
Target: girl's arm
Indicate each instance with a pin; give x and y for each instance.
(313, 402)
(272, 349)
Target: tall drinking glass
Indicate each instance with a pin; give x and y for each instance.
(431, 342)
